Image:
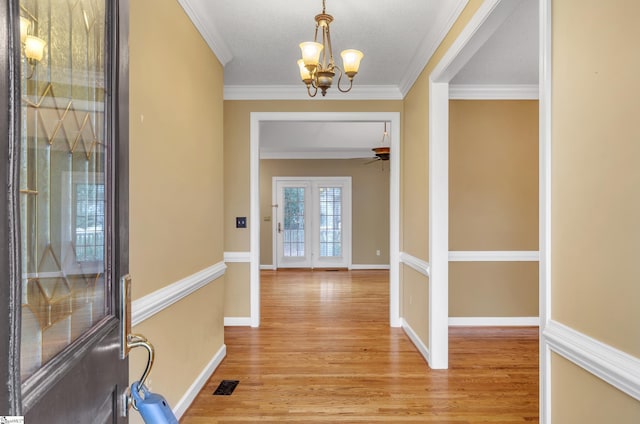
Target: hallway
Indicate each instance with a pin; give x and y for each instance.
(325, 353)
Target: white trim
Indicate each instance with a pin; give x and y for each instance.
(237, 321)
(544, 267)
(357, 267)
(254, 217)
(268, 267)
(193, 390)
(208, 31)
(494, 256)
(487, 19)
(298, 92)
(149, 305)
(439, 223)
(614, 366)
(418, 264)
(494, 321)
(394, 196)
(417, 342)
(318, 154)
(428, 46)
(230, 257)
(493, 91)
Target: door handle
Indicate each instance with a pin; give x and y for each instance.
(279, 227)
(128, 340)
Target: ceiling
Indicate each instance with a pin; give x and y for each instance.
(257, 42)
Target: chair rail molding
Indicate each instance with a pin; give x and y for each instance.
(417, 264)
(612, 365)
(149, 305)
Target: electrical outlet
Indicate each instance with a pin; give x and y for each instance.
(378, 252)
(241, 222)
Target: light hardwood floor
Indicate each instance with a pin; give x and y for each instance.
(325, 353)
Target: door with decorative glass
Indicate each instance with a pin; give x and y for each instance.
(313, 222)
(67, 210)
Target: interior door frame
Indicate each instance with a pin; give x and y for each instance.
(479, 28)
(394, 197)
(12, 401)
(347, 212)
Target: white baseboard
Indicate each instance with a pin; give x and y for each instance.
(418, 343)
(494, 321)
(237, 321)
(365, 267)
(193, 390)
(617, 368)
(268, 267)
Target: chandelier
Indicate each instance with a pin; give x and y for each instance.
(317, 67)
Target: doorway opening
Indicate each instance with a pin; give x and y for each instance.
(394, 187)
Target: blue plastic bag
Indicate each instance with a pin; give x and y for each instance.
(153, 407)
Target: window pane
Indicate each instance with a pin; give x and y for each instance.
(294, 235)
(330, 221)
(63, 153)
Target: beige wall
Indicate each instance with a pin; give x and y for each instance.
(493, 175)
(580, 398)
(595, 202)
(175, 188)
(237, 197)
(493, 205)
(370, 202)
(414, 181)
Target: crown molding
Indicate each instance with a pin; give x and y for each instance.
(319, 154)
(298, 92)
(208, 31)
(427, 48)
(493, 92)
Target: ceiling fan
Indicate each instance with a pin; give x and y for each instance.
(383, 152)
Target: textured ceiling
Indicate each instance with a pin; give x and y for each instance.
(257, 41)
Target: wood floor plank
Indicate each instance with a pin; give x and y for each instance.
(325, 353)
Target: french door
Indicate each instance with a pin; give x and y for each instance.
(313, 222)
(66, 218)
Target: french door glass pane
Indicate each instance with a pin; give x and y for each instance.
(294, 231)
(62, 175)
(330, 221)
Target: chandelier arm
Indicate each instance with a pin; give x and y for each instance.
(331, 62)
(340, 79)
(309, 90)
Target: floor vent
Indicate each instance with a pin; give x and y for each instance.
(226, 387)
